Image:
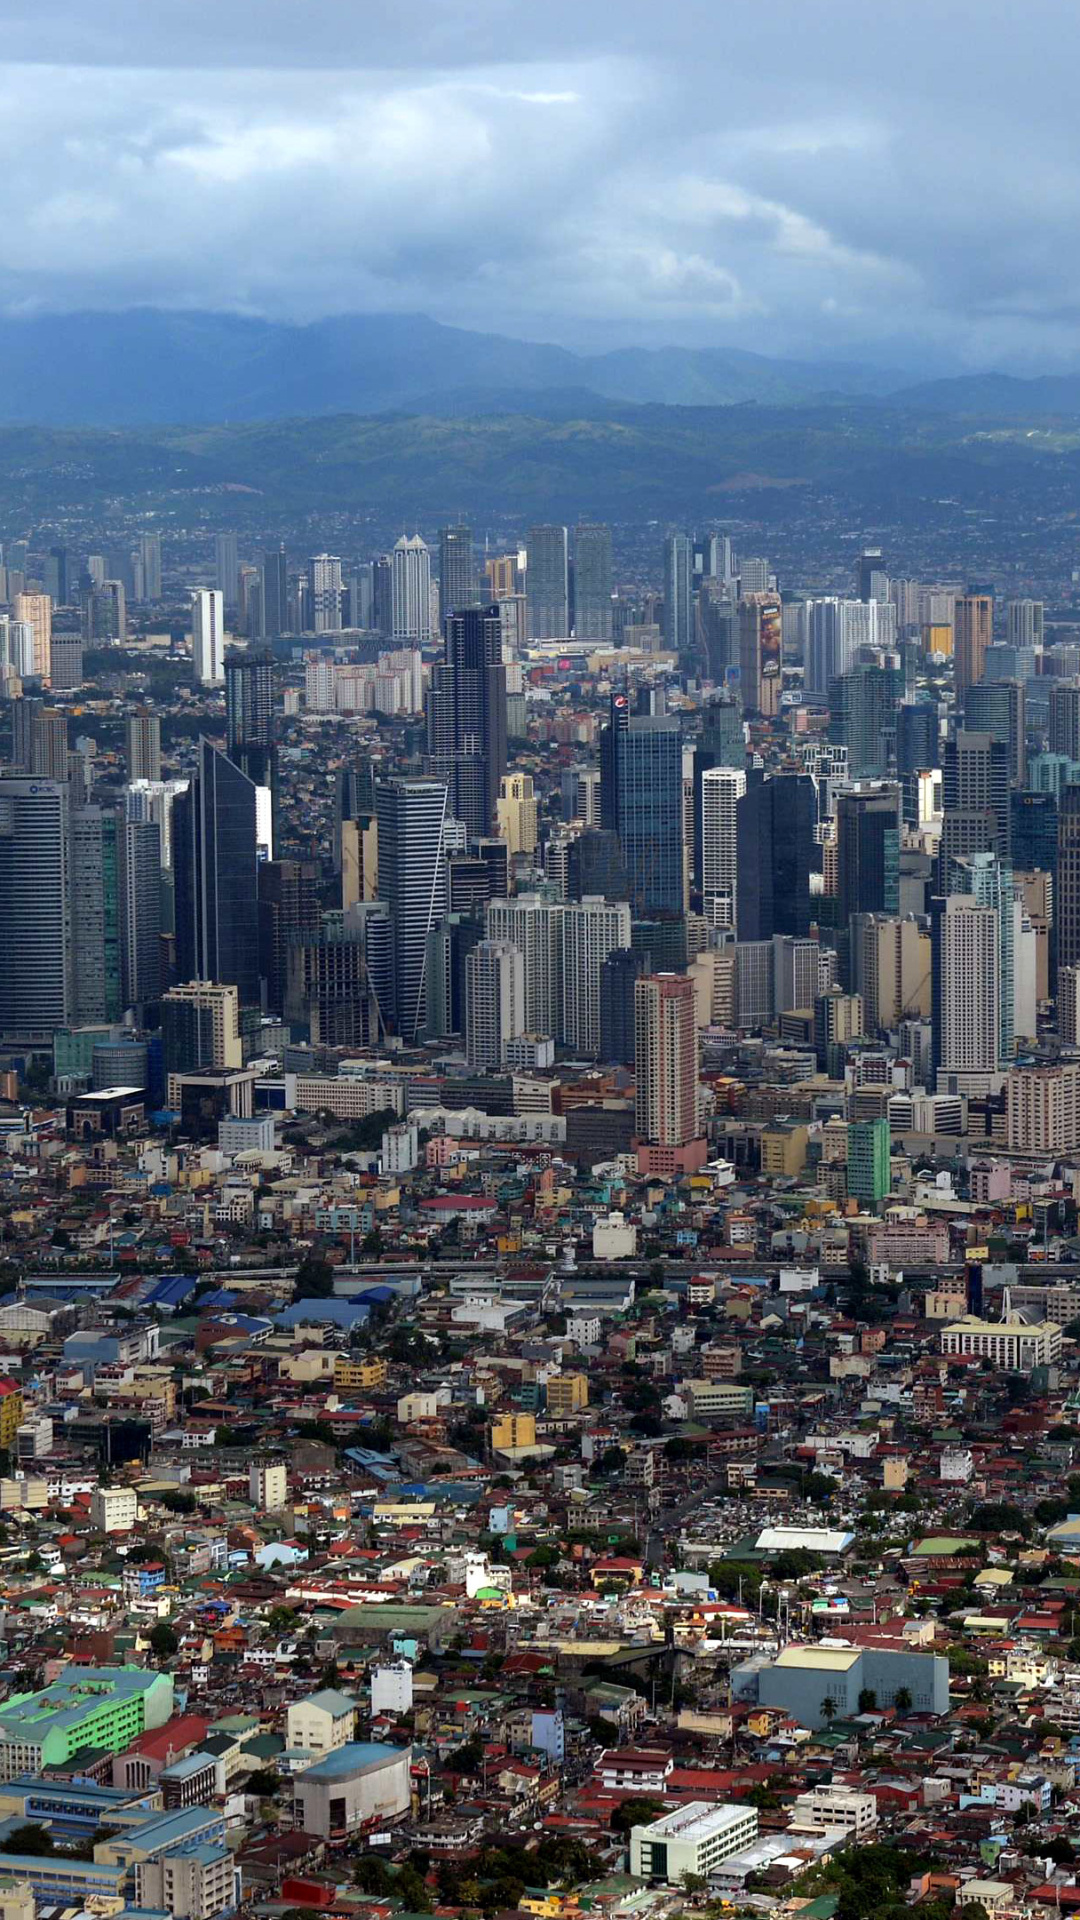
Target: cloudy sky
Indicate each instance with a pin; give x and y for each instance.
(823, 178)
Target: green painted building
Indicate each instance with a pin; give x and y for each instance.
(869, 1176)
(97, 1707)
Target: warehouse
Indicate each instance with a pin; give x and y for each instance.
(360, 1785)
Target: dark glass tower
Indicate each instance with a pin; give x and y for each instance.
(249, 715)
(649, 812)
(1034, 831)
(457, 571)
(215, 875)
(917, 750)
(275, 593)
(466, 715)
(868, 852)
(775, 840)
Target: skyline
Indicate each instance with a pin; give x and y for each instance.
(587, 181)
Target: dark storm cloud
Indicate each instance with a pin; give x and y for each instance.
(802, 179)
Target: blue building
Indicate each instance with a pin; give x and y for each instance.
(803, 1678)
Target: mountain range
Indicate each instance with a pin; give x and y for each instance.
(144, 367)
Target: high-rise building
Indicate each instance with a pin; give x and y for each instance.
(666, 1101)
(998, 707)
(868, 850)
(1064, 721)
(150, 561)
(227, 568)
(288, 913)
(760, 656)
(494, 1002)
(917, 750)
(67, 662)
(871, 580)
(35, 609)
(58, 576)
(678, 593)
(590, 929)
(411, 816)
(153, 800)
(649, 811)
(36, 989)
(338, 980)
(975, 797)
(1024, 623)
(458, 587)
(869, 1173)
(890, 969)
(275, 593)
(207, 637)
(139, 849)
(49, 744)
(862, 717)
(324, 593)
(410, 590)
(200, 1025)
(755, 574)
(104, 610)
(1067, 893)
(966, 991)
(466, 717)
(532, 924)
(989, 882)
(547, 584)
(143, 745)
(515, 811)
(215, 872)
(249, 714)
(721, 790)
(973, 632)
(775, 840)
(95, 916)
(593, 583)
(1034, 831)
(618, 977)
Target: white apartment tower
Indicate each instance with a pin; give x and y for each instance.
(207, 637)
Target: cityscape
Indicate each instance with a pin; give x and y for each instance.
(539, 963)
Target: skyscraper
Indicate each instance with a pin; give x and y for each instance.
(324, 593)
(618, 977)
(494, 1002)
(532, 924)
(207, 637)
(95, 916)
(36, 994)
(288, 912)
(1067, 892)
(410, 590)
(862, 717)
(49, 744)
(58, 576)
(249, 714)
(870, 578)
(975, 797)
(139, 848)
(666, 1105)
(412, 882)
(466, 717)
(966, 990)
(678, 593)
(649, 805)
(143, 744)
(1024, 623)
(36, 610)
(775, 839)
(1064, 721)
(547, 584)
(973, 631)
(592, 583)
(215, 870)
(760, 678)
(868, 850)
(457, 571)
(1034, 831)
(590, 929)
(721, 790)
(227, 567)
(275, 594)
(917, 750)
(150, 558)
(998, 707)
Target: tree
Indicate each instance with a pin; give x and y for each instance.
(902, 1699)
(163, 1641)
(263, 1782)
(635, 1813)
(828, 1709)
(867, 1700)
(314, 1279)
(30, 1839)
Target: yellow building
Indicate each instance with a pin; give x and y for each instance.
(11, 1413)
(515, 813)
(511, 1430)
(938, 640)
(783, 1149)
(355, 1376)
(567, 1393)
